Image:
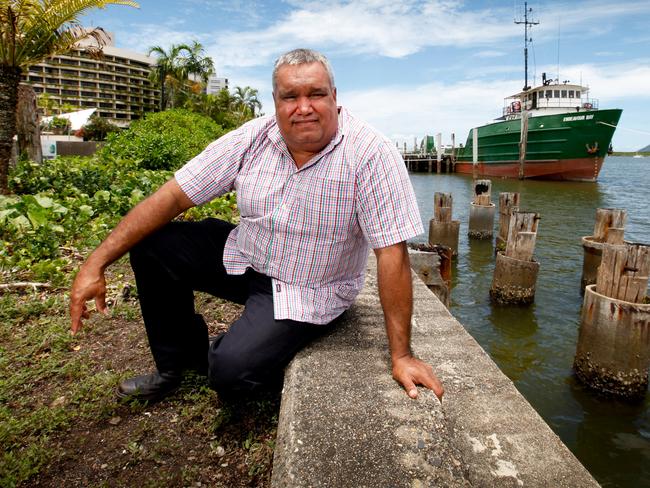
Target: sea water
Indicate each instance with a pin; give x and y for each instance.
(535, 346)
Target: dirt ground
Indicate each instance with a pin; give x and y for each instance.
(190, 439)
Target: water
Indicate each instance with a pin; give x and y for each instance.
(534, 346)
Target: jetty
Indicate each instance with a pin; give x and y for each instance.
(345, 422)
(428, 163)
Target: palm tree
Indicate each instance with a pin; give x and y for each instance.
(173, 68)
(196, 63)
(31, 31)
(168, 71)
(245, 100)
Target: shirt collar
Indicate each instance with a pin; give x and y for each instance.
(276, 137)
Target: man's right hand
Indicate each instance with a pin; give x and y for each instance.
(88, 285)
(147, 216)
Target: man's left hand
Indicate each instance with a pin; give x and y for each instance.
(410, 371)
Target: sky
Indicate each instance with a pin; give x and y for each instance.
(412, 68)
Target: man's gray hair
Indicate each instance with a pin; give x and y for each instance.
(302, 56)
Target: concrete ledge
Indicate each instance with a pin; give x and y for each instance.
(345, 423)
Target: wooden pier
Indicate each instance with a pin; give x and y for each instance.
(429, 163)
(429, 157)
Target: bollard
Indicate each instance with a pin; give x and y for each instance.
(443, 230)
(613, 351)
(432, 264)
(609, 228)
(515, 273)
(481, 211)
(508, 203)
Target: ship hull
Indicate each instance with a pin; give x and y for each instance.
(569, 146)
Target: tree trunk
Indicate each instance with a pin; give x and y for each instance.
(27, 124)
(9, 81)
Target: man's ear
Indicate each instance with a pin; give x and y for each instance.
(334, 93)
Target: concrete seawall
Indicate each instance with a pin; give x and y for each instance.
(345, 422)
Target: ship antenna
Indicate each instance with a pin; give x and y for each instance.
(526, 23)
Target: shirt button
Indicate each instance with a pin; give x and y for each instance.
(284, 206)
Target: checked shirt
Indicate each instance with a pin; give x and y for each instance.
(309, 229)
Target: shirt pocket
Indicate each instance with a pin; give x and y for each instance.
(329, 202)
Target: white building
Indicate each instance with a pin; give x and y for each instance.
(215, 85)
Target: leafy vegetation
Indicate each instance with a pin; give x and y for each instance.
(226, 109)
(163, 140)
(29, 33)
(69, 205)
(56, 123)
(97, 129)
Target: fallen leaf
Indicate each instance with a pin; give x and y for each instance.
(58, 402)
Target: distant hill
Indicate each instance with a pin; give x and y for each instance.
(645, 149)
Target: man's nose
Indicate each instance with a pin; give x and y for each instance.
(304, 105)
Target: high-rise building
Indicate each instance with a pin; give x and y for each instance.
(117, 83)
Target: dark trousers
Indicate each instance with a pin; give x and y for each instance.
(183, 257)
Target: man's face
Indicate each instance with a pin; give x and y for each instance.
(305, 106)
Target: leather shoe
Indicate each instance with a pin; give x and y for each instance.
(149, 387)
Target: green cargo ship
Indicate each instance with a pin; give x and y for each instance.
(551, 131)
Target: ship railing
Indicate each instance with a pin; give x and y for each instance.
(583, 104)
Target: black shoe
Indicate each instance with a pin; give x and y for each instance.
(150, 387)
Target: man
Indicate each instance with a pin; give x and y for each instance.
(315, 186)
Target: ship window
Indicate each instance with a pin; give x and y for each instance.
(570, 93)
(549, 93)
(577, 93)
(556, 93)
(563, 93)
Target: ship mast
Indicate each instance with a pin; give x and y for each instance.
(526, 23)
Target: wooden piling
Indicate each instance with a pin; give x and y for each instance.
(508, 203)
(609, 228)
(442, 229)
(481, 211)
(613, 351)
(433, 266)
(515, 272)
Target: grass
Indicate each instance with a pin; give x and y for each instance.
(61, 424)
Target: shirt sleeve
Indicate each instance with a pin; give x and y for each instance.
(212, 173)
(386, 206)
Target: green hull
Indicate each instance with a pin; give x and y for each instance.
(569, 146)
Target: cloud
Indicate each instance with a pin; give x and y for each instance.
(612, 81)
(489, 54)
(397, 29)
(402, 113)
(140, 37)
(377, 27)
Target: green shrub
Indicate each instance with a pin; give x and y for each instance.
(97, 129)
(56, 123)
(163, 140)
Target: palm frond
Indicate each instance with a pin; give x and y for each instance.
(33, 30)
